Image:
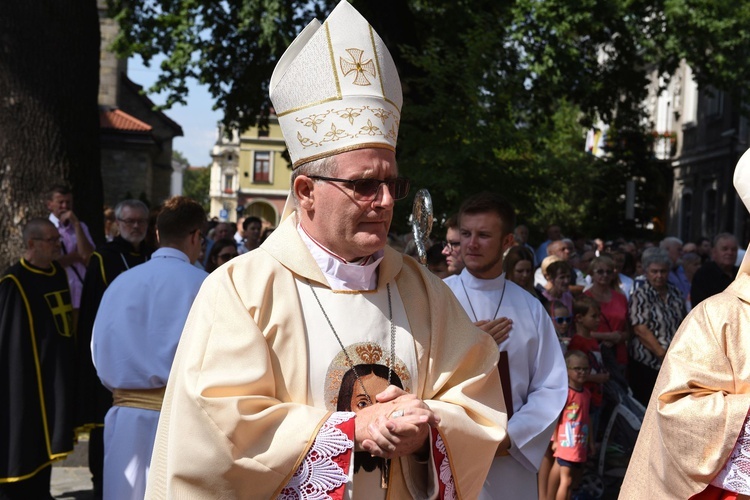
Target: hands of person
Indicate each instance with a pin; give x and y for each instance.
(498, 328)
(396, 425)
(553, 446)
(67, 218)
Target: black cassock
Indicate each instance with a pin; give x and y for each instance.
(37, 358)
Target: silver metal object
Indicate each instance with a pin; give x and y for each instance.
(397, 414)
(421, 222)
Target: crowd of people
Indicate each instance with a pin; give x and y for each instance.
(319, 359)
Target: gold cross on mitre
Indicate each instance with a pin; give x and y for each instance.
(356, 64)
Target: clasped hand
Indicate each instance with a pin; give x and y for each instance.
(380, 434)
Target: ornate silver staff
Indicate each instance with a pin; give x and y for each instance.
(421, 222)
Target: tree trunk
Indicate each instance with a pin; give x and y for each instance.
(49, 118)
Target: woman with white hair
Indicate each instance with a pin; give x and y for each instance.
(656, 311)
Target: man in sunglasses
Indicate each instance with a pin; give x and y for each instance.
(335, 366)
(531, 362)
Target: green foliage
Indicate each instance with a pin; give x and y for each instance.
(497, 95)
(195, 185)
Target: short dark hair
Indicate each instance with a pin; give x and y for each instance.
(490, 202)
(451, 222)
(33, 228)
(63, 189)
(558, 267)
(583, 303)
(178, 218)
(249, 220)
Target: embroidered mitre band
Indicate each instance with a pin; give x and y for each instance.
(336, 89)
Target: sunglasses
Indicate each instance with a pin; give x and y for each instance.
(563, 319)
(368, 189)
(226, 256)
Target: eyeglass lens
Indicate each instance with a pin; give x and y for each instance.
(367, 189)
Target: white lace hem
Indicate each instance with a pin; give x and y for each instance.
(735, 476)
(318, 474)
(444, 474)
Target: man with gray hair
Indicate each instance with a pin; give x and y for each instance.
(124, 252)
(718, 273)
(673, 247)
(324, 363)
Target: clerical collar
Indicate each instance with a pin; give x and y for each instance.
(471, 281)
(342, 275)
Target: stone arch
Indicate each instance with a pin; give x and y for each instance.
(264, 209)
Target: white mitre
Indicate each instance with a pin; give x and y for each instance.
(336, 89)
(742, 185)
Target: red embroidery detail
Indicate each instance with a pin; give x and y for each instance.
(343, 460)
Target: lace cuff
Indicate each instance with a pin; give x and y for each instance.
(735, 476)
(325, 467)
(446, 484)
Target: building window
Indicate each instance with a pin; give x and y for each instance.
(262, 166)
(686, 213)
(714, 102)
(228, 183)
(710, 210)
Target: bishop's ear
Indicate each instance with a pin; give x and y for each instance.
(304, 189)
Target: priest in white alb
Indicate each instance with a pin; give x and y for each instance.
(535, 382)
(324, 362)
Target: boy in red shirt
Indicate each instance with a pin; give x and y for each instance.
(571, 438)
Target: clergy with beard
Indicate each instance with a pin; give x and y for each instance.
(124, 252)
(534, 375)
(303, 359)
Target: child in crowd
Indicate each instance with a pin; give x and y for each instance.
(562, 318)
(586, 314)
(571, 438)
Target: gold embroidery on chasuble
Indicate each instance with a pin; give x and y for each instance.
(373, 361)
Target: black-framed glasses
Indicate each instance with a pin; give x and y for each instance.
(133, 222)
(54, 239)
(560, 320)
(368, 189)
(582, 369)
(452, 245)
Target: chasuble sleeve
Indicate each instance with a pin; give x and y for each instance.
(235, 421)
(459, 381)
(699, 403)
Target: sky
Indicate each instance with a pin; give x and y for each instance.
(197, 119)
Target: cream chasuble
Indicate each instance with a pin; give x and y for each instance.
(360, 318)
(246, 401)
(700, 402)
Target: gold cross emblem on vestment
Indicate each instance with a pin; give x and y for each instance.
(358, 66)
(62, 311)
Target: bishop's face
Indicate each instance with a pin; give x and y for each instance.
(349, 227)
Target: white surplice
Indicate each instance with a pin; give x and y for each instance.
(135, 336)
(538, 378)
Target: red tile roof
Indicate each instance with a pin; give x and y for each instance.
(119, 120)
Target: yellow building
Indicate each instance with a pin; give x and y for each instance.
(249, 172)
